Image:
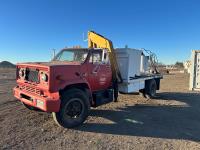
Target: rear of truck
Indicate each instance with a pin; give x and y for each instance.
(137, 71)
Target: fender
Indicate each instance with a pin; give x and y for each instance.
(74, 82)
(81, 84)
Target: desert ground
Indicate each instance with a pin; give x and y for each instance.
(171, 121)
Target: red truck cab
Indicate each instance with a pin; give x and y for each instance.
(74, 80)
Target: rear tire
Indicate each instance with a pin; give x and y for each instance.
(73, 110)
(150, 89)
(142, 93)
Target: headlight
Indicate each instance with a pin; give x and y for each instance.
(22, 73)
(44, 77)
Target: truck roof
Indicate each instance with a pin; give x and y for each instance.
(81, 49)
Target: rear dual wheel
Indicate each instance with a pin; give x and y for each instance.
(150, 89)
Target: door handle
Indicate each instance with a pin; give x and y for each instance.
(84, 74)
(94, 72)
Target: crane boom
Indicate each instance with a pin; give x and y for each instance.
(98, 41)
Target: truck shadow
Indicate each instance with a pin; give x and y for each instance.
(158, 121)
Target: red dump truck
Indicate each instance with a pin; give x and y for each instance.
(80, 78)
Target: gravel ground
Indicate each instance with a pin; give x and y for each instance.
(171, 121)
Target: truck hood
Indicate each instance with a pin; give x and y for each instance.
(66, 71)
(49, 64)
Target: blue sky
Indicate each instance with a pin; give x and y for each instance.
(29, 29)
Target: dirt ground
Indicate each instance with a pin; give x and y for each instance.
(171, 121)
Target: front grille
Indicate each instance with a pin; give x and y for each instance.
(32, 75)
(30, 89)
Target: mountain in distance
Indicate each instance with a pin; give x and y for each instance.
(6, 64)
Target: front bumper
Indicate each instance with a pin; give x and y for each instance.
(44, 103)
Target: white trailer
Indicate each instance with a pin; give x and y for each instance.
(195, 71)
(135, 71)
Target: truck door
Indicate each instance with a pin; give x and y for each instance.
(100, 74)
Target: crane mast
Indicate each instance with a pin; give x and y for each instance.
(98, 41)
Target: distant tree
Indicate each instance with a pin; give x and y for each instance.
(179, 64)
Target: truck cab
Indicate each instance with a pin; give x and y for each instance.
(80, 76)
(94, 67)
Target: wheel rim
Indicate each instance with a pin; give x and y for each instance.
(74, 108)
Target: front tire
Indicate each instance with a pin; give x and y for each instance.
(73, 110)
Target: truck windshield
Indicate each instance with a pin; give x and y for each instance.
(72, 55)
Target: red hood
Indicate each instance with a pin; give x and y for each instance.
(52, 63)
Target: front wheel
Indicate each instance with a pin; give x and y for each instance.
(73, 110)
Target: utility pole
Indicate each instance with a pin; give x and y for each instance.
(53, 53)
